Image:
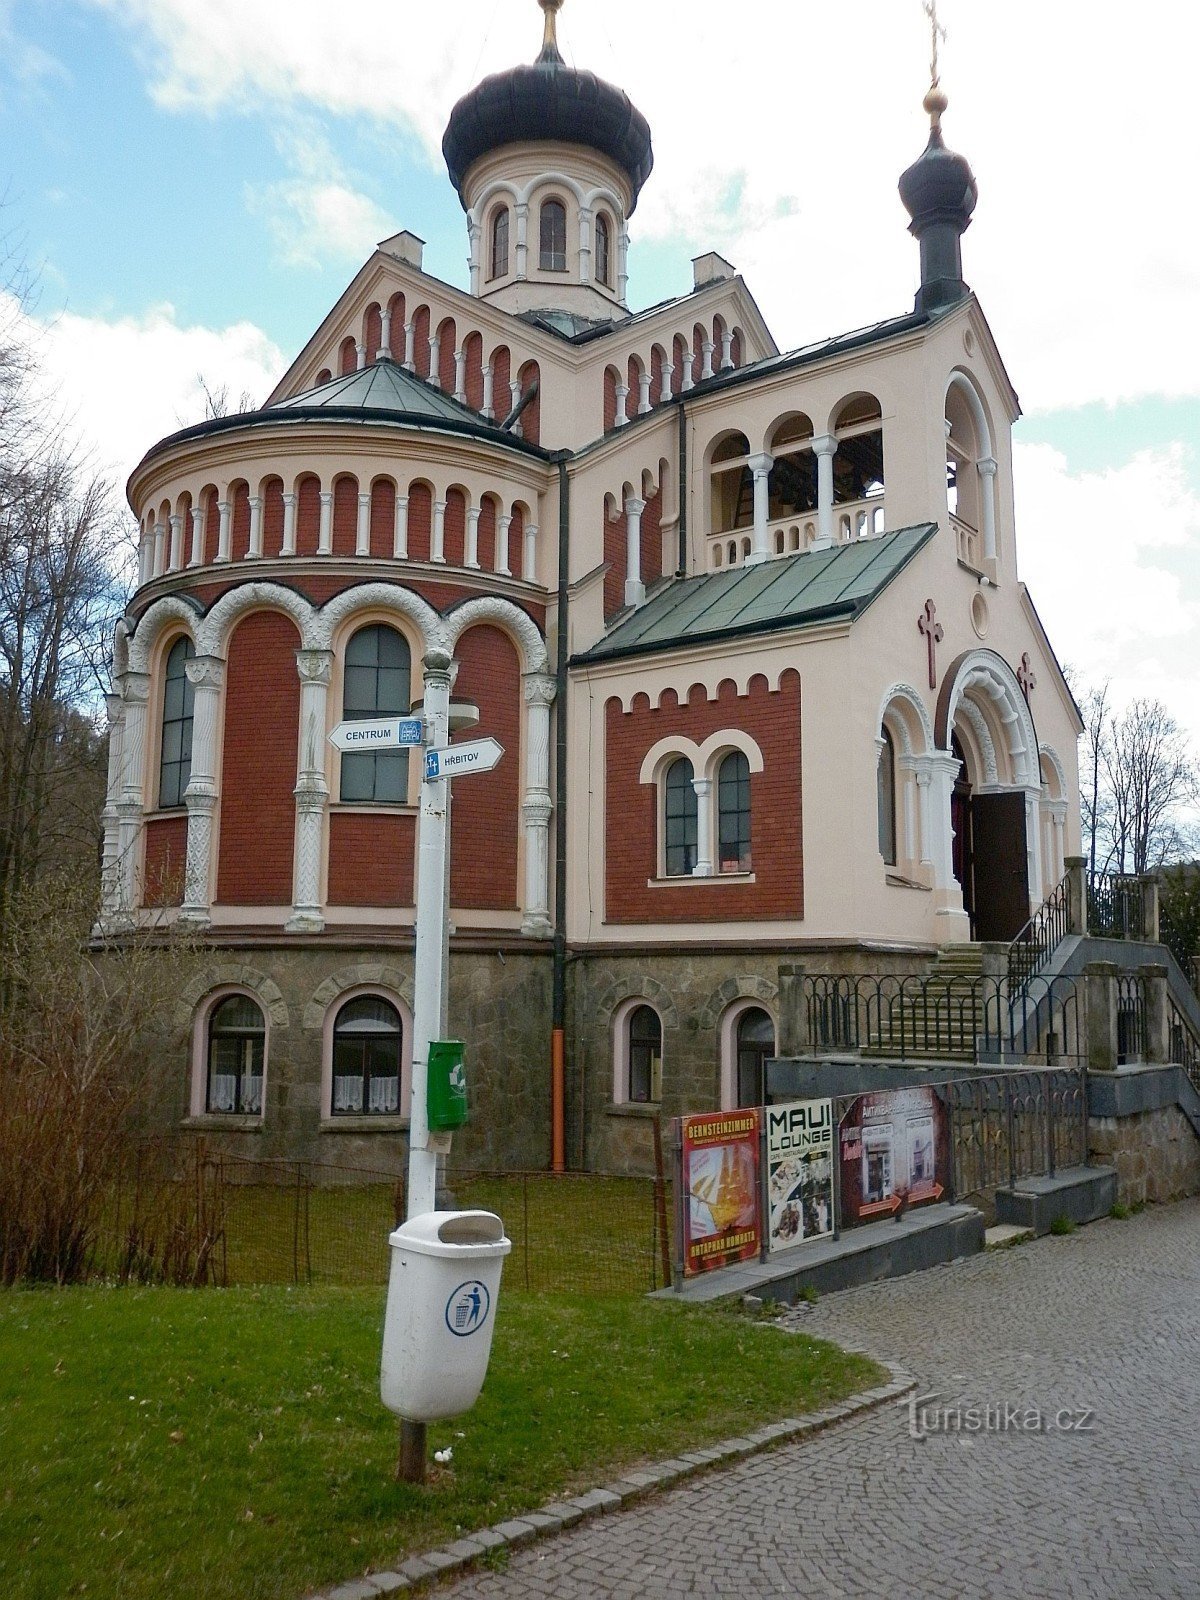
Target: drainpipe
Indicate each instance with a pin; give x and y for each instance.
(558, 1037)
(681, 569)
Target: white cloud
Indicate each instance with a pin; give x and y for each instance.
(1109, 559)
(314, 222)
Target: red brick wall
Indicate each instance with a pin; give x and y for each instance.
(610, 398)
(383, 517)
(501, 373)
(615, 554)
(486, 815)
(421, 335)
(396, 341)
(420, 521)
(652, 544)
(273, 517)
(632, 808)
(347, 357)
(656, 366)
(212, 529)
(487, 533)
(531, 417)
(371, 859)
(166, 857)
(516, 542)
(372, 331)
(308, 515)
(456, 528)
(345, 516)
(446, 349)
(240, 520)
(258, 769)
(473, 349)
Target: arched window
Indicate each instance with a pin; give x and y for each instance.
(886, 782)
(237, 1036)
(367, 1039)
(500, 243)
(377, 682)
(645, 1056)
(680, 816)
(553, 256)
(175, 763)
(755, 1042)
(603, 252)
(733, 813)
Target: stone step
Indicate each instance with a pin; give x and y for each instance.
(1005, 1234)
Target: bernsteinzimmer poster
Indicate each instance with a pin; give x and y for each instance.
(720, 1210)
(894, 1152)
(799, 1172)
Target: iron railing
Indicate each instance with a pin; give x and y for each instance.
(1040, 937)
(1179, 939)
(1131, 1018)
(1114, 905)
(1183, 1043)
(1012, 1125)
(964, 1018)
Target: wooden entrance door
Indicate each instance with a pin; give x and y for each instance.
(1001, 870)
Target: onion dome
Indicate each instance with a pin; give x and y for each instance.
(548, 101)
(939, 194)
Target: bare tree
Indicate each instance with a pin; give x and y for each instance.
(1093, 796)
(217, 402)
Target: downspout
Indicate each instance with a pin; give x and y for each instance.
(681, 569)
(558, 1035)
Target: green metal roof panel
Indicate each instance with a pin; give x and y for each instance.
(783, 592)
(384, 386)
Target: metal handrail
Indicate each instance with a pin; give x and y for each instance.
(1041, 935)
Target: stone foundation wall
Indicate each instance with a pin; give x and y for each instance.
(1156, 1154)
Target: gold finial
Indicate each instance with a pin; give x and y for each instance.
(935, 101)
(551, 8)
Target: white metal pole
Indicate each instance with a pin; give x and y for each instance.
(433, 850)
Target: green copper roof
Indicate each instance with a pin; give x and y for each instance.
(385, 386)
(784, 592)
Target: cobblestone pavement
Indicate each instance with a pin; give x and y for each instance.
(1106, 1320)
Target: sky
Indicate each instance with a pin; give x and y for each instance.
(196, 183)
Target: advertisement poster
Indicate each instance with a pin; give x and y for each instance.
(894, 1153)
(720, 1199)
(799, 1172)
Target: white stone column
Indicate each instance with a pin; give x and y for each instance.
(760, 466)
(1057, 812)
(529, 553)
(362, 533)
(585, 245)
(400, 539)
(824, 448)
(110, 870)
(514, 395)
(255, 550)
(176, 556)
(706, 370)
(687, 379)
(472, 553)
(160, 548)
(664, 387)
(360, 357)
(522, 248)
(288, 546)
(635, 589)
(435, 359)
(987, 506)
(312, 791)
(704, 828)
(908, 803)
(489, 379)
(1036, 868)
(145, 546)
(536, 809)
(438, 547)
(206, 674)
(623, 265)
(410, 346)
(325, 533)
(199, 519)
(474, 236)
(621, 417)
(224, 536)
(460, 376)
(644, 401)
(503, 524)
(135, 693)
(943, 768)
(726, 350)
(385, 332)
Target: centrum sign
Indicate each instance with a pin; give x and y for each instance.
(379, 733)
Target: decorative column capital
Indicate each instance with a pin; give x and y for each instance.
(206, 672)
(824, 444)
(135, 687)
(987, 467)
(634, 507)
(540, 689)
(761, 465)
(315, 666)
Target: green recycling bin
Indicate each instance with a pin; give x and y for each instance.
(447, 1085)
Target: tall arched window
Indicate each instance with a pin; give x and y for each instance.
(553, 255)
(377, 683)
(175, 763)
(733, 813)
(367, 1039)
(500, 243)
(886, 781)
(237, 1036)
(755, 1042)
(603, 251)
(645, 1056)
(680, 818)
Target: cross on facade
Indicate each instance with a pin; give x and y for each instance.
(934, 633)
(1026, 677)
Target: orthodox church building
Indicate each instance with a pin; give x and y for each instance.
(747, 623)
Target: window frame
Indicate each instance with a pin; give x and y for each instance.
(181, 764)
(200, 1096)
(501, 216)
(603, 230)
(548, 257)
(623, 1048)
(364, 1110)
(885, 786)
(744, 861)
(355, 762)
(690, 812)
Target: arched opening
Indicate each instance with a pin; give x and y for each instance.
(733, 813)
(968, 494)
(680, 820)
(731, 484)
(858, 486)
(645, 1056)
(885, 796)
(367, 1041)
(175, 747)
(552, 254)
(498, 264)
(603, 250)
(237, 1037)
(755, 1042)
(792, 485)
(376, 682)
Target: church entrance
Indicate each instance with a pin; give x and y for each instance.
(989, 856)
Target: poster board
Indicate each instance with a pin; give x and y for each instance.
(800, 1172)
(721, 1186)
(894, 1151)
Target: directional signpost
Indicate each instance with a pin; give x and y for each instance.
(481, 755)
(379, 733)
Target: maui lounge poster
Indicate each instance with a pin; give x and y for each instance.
(721, 1221)
(799, 1172)
(894, 1153)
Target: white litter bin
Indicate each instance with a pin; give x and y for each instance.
(441, 1309)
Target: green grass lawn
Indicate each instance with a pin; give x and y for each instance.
(230, 1443)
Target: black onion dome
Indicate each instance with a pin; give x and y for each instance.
(548, 101)
(939, 186)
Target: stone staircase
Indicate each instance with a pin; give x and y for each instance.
(934, 1018)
